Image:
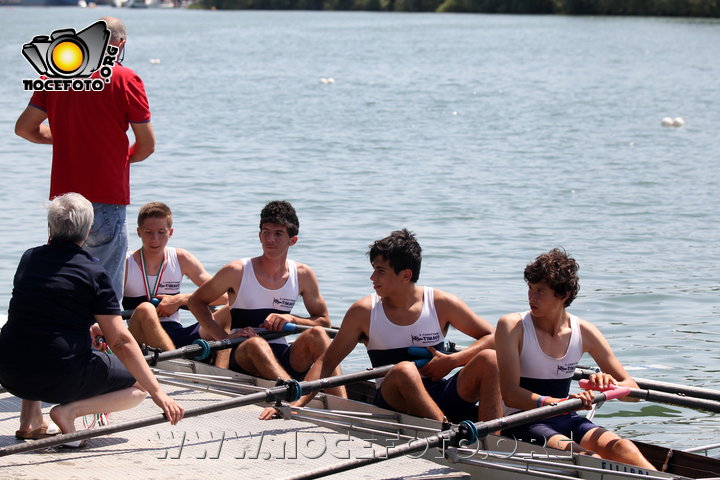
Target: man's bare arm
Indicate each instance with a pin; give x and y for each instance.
(144, 145)
(30, 126)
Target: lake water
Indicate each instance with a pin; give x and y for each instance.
(493, 137)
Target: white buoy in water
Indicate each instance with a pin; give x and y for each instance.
(678, 122)
(154, 61)
(666, 122)
(327, 80)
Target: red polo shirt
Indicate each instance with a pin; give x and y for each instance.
(90, 142)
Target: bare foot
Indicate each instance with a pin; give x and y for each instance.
(63, 418)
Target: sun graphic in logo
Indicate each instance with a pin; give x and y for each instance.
(67, 56)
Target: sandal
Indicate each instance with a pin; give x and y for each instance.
(43, 432)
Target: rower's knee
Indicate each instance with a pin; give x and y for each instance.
(143, 314)
(253, 346)
(624, 448)
(314, 341)
(403, 373)
(485, 364)
(251, 350)
(145, 309)
(318, 334)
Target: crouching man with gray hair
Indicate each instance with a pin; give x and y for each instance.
(62, 302)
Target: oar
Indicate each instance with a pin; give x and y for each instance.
(662, 397)
(126, 314)
(289, 391)
(201, 348)
(672, 388)
(467, 431)
(675, 399)
(423, 355)
(651, 391)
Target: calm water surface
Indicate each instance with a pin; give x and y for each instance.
(494, 138)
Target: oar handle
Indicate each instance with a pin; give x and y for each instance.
(673, 388)
(419, 352)
(202, 348)
(612, 391)
(657, 396)
(295, 328)
(422, 355)
(126, 314)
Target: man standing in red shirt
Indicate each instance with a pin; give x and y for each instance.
(91, 150)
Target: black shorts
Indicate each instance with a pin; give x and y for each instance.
(180, 335)
(572, 426)
(444, 393)
(102, 374)
(282, 354)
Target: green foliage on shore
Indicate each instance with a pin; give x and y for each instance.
(677, 8)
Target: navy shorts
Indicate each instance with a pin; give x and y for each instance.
(572, 425)
(282, 354)
(444, 393)
(102, 374)
(180, 335)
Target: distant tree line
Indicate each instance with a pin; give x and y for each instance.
(678, 8)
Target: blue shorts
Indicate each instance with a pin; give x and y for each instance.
(444, 393)
(282, 354)
(180, 335)
(572, 425)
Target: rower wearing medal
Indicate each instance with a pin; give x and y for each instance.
(153, 275)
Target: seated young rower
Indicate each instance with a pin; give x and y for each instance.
(263, 291)
(538, 351)
(154, 273)
(402, 314)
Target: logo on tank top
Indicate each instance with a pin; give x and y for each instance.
(565, 368)
(426, 338)
(169, 285)
(285, 303)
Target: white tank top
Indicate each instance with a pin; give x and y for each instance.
(170, 279)
(254, 302)
(541, 373)
(388, 342)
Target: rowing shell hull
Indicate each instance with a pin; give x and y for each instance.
(492, 458)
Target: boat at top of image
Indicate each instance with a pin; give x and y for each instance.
(149, 3)
(43, 3)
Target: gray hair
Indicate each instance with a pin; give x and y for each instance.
(70, 217)
(117, 29)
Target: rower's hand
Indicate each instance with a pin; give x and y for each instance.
(173, 412)
(601, 381)
(242, 332)
(275, 321)
(269, 413)
(586, 396)
(168, 305)
(439, 365)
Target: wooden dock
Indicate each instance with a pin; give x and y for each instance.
(230, 444)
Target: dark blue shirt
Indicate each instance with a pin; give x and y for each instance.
(57, 291)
